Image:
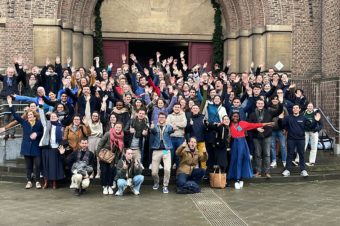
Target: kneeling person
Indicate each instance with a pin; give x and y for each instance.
(188, 176)
(129, 173)
(83, 162)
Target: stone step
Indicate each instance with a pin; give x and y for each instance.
(313, 176)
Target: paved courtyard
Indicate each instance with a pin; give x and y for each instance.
(308, 203)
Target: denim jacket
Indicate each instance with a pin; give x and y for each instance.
(156, 134)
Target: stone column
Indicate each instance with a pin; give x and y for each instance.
(66, 43)
(259, 46)
(77, 47)
(245, 50)
(233, 53)
(46, 39)
(88, 48)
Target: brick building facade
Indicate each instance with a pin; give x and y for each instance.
(252, 30)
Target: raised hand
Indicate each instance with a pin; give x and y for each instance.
(57, 60)
(158, 55)
(123, 57)
(146, 71)
(20, 60)
(317, 117)
(68, 60)
(61, 149)
(181, 54)
(228, 63)
(133, 57)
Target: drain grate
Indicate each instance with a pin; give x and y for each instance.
(215, 210)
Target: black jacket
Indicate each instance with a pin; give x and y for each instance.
(268, 116)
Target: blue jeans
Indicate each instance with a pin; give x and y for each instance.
(176, 142)
(278, 134)
(136, 182)
(196, 175)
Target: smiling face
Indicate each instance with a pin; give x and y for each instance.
(235, 118)
(30, 116)
(53, 117)
(118, 128)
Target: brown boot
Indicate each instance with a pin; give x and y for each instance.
(54, 184)
(45, 183)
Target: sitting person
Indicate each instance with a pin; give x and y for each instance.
(83, 162)
(187, 173)
(129, 173)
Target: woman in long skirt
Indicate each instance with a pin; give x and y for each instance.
(53, 167)
(240, 165)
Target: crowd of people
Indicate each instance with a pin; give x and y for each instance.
(99, 123)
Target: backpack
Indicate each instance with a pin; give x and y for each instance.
(190, 187)
(325, 142)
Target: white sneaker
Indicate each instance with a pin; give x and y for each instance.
(134, 191)
(174, 166)
(97, 176)
(74, 185)
(251, 157)
(304, 173)
(38, 185)
(284, 163)
(91, 176)
(237, 185)
(110, 191)
(118, 193)
(28, 185)
(160, 166)
(286, 173)
(241, 184)
(273, 164)
(150, 166)
(114, 185)
(309, 164)
(105, 191)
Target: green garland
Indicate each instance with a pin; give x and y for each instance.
(98, 38)
(217, 36)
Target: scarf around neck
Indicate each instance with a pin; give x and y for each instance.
(58, 131)
(117, 139)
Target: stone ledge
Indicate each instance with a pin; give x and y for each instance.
(258, 31)
(3, 22)
(155, 36)
(46, 22)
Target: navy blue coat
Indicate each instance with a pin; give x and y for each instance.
(29, 147)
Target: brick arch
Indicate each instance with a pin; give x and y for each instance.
(88, 12)
(65, 10)
(257, 12)
(243, 12)
(230, 16)
(77, 18)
